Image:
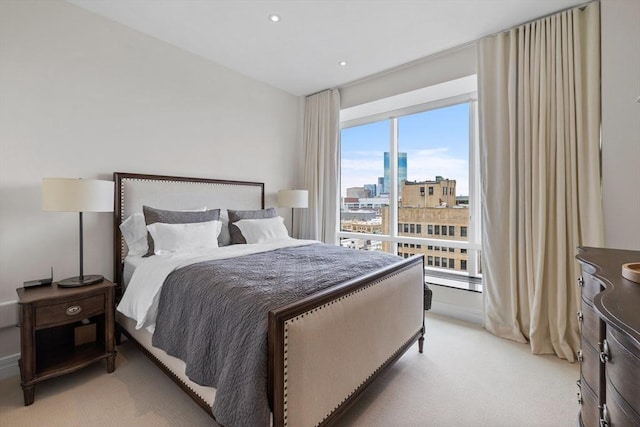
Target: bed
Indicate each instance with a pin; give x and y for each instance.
(323, 346)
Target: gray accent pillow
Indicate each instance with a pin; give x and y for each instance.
(234, 216)
(153, 215)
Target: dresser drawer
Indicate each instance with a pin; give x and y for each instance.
(589, 411)
(70, 311)
(591, 326)
(618, 412)
(590, 366)
(590, 287)
(623, 369)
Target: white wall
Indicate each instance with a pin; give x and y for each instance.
(621, 122)
(81, 96)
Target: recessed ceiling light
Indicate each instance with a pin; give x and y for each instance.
(274, 18)
(343, 63)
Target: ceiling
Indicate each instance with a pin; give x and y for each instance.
(300, 54)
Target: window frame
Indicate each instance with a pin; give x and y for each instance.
(473, 243)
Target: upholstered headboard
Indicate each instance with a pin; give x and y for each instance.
(132, 191)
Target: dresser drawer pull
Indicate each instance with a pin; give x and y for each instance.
(579, 398)
(580, 281)
(604, 354)
(580, 316)
(580, 359)
(73, 310)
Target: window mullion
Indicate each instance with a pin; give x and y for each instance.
(393, 182)
(475, 235)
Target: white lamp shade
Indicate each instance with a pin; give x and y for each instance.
(77, 195)
(293, 198)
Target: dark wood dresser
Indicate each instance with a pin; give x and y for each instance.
(610, 328)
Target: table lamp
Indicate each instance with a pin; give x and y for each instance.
(77, 195)
(293, 199)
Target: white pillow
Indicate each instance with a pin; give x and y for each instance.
(134, 232)
(168, 238)
(263, 230)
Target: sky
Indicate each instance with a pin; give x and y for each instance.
(436, 143)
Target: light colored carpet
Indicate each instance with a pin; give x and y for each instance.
(465, 377)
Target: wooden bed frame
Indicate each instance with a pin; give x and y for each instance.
(325, 349)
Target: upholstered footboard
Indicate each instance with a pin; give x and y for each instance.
(327, 348)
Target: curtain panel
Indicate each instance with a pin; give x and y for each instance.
(539, 96)
(321, 166)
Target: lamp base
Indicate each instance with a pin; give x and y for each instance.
(73, 282)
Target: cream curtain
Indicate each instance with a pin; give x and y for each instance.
(539, 95)
(321, 166)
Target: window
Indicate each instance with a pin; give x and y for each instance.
(422, 161)
(429, 260)
(463, 265)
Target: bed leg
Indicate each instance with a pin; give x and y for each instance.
(421, 343)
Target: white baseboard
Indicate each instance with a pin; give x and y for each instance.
(9, 366)
(463, 313)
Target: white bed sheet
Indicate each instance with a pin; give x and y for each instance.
(131, 262)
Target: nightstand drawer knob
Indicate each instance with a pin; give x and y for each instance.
(73, 310)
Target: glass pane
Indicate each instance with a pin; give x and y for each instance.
(362, 182)
(434, 190)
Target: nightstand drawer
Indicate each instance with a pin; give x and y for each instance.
(69, 311)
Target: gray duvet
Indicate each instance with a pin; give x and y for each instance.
(214, 316)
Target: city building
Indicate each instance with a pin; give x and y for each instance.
(429, 210)
(371, 189)
(402, 171)
(357, 192)
(372, 203)
(441, 192)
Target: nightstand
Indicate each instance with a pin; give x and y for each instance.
(63, 330)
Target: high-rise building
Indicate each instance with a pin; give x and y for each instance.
(380, 185)
(402, 171)
(371, 188)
